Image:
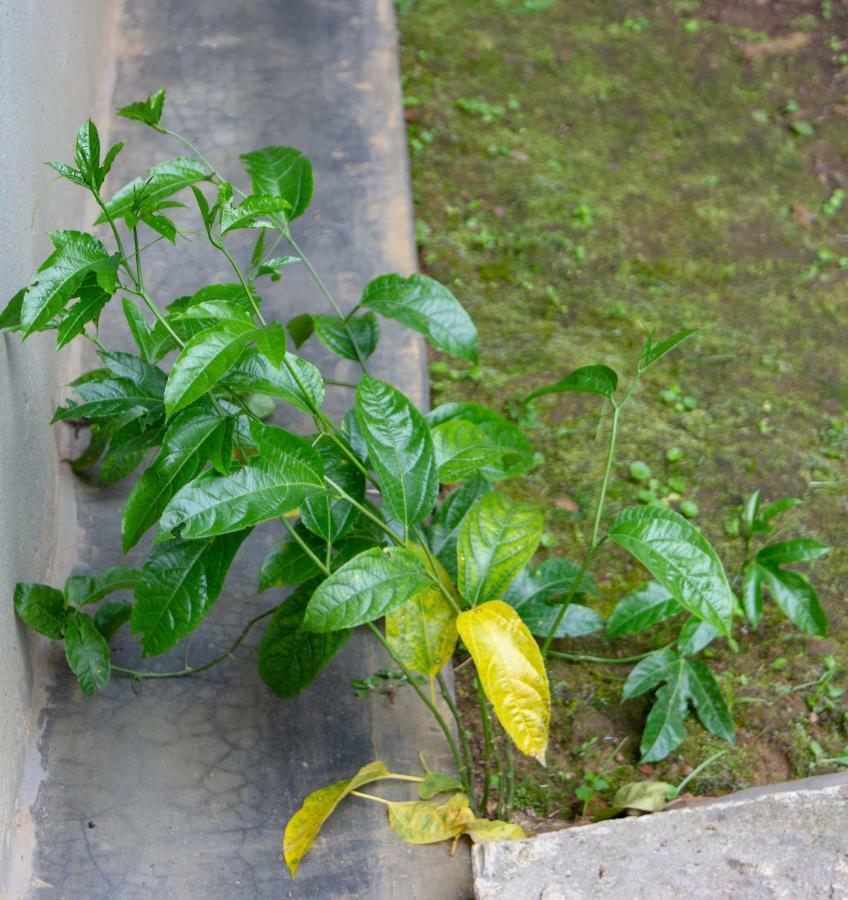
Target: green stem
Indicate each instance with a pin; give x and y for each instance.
(675, 792)
(304, 546)
(488, 745)
(603, 660)
(440, 721)
(464, 741)
(596, 526)
(510, 769)
(193, 670)
(326, 292)
(363, 509)
(365, 796)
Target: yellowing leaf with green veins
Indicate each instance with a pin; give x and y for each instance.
(304, 825)
(422, 632)
(512, 672)
(482, 831)
(428, 822)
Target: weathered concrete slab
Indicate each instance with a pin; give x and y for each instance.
(784, 841)
(181, 789)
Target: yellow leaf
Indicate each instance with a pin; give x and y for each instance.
(481, 831)
(304, 825)
(427, 821)
(512, 672)
(422, 632)
(434, 567)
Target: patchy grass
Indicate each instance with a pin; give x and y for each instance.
(585, 170)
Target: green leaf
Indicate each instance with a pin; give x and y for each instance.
(436, 783)
(750, 509)
(283, 171)
(87, 309)
(694, 636)
(426, 306)
(301, 328)
(129, 445)
(161, 181)
(87, 154)
(187, 444)
(111, 616)
(10, 318)
(797, 598)
(799, 550)
(600, 380)
(106, 398)
(290, 659)
(244, 215)
(287, 471)
(76, 255)
(496, 539)
(517, 450)
(400, 450)
(533, 589)
(652, 352)
(443, 531)
(139, 329)
(148, 379)
(339, 335)
(709, 704)
(82, 589)
(271, 343)
(640, 609)
(664, 728)
(68, 172)
(326, 515)
(366, 588)
(462, 450)
(179, 584)
(752, 592)
(680, 558)
(779, 506)
(87, 653)
(274, 267)
(288, 563)
(253, 373)
(148, 111)
(303, 827)
(204, 360)
(42, 607)
(650, 672)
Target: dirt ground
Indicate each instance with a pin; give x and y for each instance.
(583, 169)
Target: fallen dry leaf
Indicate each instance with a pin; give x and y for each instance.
(784, 45)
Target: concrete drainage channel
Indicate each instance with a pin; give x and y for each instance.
(181, 789)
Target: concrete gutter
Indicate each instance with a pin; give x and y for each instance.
(181, 789)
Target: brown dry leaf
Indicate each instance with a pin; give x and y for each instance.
(802, 214)
(783, 45)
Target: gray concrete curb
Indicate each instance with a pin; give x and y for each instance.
(181, 790)
(775, 841)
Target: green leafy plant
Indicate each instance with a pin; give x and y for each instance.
(391, 519)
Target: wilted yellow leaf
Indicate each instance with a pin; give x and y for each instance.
(512, 672)
(481, 831)
(427, 821)
(304, 825)
(422, 632)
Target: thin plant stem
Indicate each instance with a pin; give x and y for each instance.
(488, 746)
(304, 546)
(365, 796)
(593, 543)
(603, 660)
(440, 721)
(193, 670)
(464, 741)
(510, 779)
(363, 509)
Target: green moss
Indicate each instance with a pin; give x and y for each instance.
(579, 175)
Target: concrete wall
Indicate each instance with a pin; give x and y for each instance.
(55, 68)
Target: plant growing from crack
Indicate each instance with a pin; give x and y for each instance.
(426, 571)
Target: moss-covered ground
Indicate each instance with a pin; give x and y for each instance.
(584, 170)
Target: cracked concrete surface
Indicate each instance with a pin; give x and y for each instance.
(180, 788)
